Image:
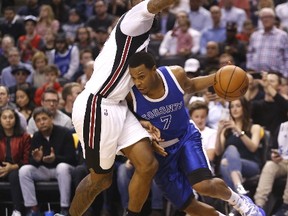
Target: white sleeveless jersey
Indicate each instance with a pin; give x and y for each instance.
(111, 78)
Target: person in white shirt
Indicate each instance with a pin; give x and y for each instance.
(230, 13)
(281, 11)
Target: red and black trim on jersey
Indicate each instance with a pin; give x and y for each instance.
(126, 46)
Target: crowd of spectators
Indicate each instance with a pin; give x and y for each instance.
(47, 52)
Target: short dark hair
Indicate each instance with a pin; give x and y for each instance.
(140, 58)
(49, 90)
(41, 110)
(67, 89)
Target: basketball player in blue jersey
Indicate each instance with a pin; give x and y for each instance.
(104, 124)
(157, 96)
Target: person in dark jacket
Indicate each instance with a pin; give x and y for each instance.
(53, 156)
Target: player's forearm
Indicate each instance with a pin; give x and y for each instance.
(156, 6)
(202, 82)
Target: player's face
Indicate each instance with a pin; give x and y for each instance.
(142, 78)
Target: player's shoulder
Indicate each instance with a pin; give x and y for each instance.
(176, 69)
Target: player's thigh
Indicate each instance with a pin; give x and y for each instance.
(134, 142)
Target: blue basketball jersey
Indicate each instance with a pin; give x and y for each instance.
(167, 113)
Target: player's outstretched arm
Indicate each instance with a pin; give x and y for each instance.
(192, 85)
(156, 6)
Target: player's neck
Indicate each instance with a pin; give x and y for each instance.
(158, 89)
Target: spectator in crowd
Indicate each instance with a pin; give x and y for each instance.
(20, 74)
(118, 8)
(49, 41)
(264, 55)
(39, 61)
(12, 24)
(216, 32)
(233, 46)
(191, 68)
(86, 9)
(237, 142)
(209, 63)
(85, 41)
(31, 7)
(14, 153)
(7, 77)
(198, 111)
(31, 42)
(5, 102)
(284, 87)
(225, 59)
(46, 21)
(165, 22)
(230, 13)
(124, 175)
(69, 93)
(52, 157)
(60, 10)
(280, 11)
(24, 101)
(182, 5)
(7, 43)
(51, 73)
(65, 57)
(271, 111)
(86, 55)
(255, 91)
(74, 23)
(246, 33)
(263, 4)
(168, 46)
(273, 169)
(50, 100)
(199, 17)
(88, 70)
(101, 18)
(243, 4)
(101, 36)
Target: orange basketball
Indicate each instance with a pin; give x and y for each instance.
(230, 82)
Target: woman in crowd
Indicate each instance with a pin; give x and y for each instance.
(46, 21)
(24, 101)
(237, 142)
(14, 152)
(39, 61)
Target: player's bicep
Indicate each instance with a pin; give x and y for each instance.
(137, 21)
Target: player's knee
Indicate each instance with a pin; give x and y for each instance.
(148, 168)
(103, 180)
(204, 187)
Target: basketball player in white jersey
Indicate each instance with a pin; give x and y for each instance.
(102, 120)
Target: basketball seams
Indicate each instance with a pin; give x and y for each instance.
(236, 78)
